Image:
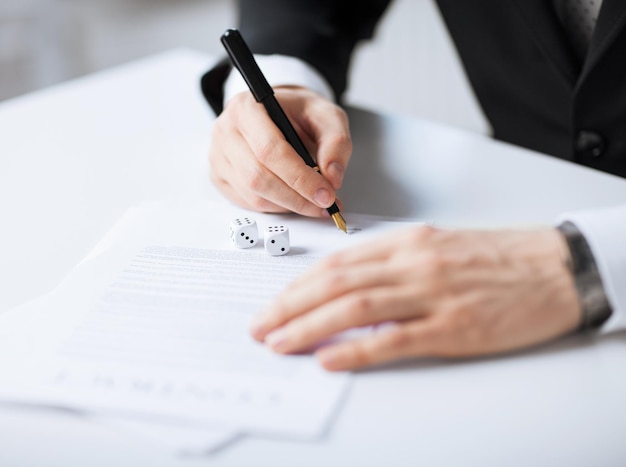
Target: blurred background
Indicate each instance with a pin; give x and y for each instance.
(410, 68)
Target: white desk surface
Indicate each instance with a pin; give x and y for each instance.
(74, 157)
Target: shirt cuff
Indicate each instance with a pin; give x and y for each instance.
(281, 70)
(605, 229)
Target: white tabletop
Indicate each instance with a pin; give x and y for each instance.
(74, 157)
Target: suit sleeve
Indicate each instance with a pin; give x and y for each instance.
(323, 33)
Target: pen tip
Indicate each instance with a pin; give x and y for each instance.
(340, 222)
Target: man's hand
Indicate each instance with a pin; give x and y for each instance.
(446, 293)
(253, 165)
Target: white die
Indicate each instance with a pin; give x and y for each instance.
(277, 240)
(244, 232)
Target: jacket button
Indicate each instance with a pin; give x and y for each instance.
(589, 143)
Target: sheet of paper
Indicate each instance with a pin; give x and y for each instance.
(170, 439)
(154, 324)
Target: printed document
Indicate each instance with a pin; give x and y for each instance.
(154, 325)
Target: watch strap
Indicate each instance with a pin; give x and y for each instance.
(594, 303)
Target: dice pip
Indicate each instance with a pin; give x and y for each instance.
(277, 240)
(244, 232)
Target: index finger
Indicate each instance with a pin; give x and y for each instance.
(327, 125)
(416, 338)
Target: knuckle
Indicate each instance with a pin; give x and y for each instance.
(432, 263)
(258, 203)
(281, 312)
(212, 155)
(214, 161)
(359, 355)
(301, 206)
(265, 151)
(421, 235)
(256, 180)
(341, 142)
(359, 308)
(464, 332)
(225, 125)
(462, 319)
(341, 113)
(238, 101)
(331, 108)
(216, 180)
(299, 181)
(330, 265)
(335, 283)
(399, 340)
(333, 261)
(219, 124)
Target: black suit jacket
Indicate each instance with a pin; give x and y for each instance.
(532, 88)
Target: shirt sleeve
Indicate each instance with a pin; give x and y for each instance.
(605, 232)
(280, 70)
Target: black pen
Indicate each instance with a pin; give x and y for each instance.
(242, 59)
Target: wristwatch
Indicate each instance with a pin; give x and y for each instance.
(594, 303)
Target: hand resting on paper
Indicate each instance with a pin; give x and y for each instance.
(252, 164)
(449, 293)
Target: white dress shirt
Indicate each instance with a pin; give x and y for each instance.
(280, 70)
(604, 229)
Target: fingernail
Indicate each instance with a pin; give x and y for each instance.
(276, 340)
(336, 170)
(322, 198)
(256, 327)
(328, 358)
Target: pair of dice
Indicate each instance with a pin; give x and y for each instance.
(244, 233)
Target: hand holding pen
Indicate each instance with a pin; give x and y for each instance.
(253, 164)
